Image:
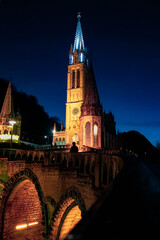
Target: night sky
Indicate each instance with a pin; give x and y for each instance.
(123, 38)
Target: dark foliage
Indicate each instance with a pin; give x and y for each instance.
(35, 121)
(135, 142)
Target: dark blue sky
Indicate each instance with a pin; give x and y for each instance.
(123, 36)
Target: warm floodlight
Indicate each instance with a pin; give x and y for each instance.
(33, 223)
(12, 122)
(95, 130)
(19, 227)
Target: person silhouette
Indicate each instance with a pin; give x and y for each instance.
(74, 148)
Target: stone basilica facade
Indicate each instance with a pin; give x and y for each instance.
(86, 124)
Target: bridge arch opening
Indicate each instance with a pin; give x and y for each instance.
(68, 213)
(2, 185)
(23, 215)
(23, 212)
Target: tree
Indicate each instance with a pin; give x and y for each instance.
(36, 123)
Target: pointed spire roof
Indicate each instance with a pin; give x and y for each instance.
(91, 96)
(91, 104)
(7, 108)
(78, 42)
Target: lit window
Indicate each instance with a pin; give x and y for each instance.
(95, 139)
(73, 79)
(81, 57)
(95, 130)
(78, 78)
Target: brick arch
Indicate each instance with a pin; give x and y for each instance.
(50, 200)
(24, 176)
(68, 201)
(2, 183)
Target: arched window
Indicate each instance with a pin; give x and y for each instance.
(88, 134)
(95, 129)
(60, 142)
(73, 79)
(63, 141)
(5, 132)
(78, 78)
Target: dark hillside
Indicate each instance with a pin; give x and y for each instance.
(137, 143)
(35, 121)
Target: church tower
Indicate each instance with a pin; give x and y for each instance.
(76, 83)
(91, 114)
(8, 117)
(83, 108)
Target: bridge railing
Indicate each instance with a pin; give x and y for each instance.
(100, 167)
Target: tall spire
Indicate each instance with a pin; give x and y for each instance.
(79, 42)
(7, 104)
(79, 53)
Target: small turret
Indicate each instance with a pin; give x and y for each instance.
(71, 55)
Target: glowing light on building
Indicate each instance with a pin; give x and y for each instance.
(19, 227)
(34, 223)
(53, 132)
(81, 57)
(95, 130)
(5, 137)
(78, 42)
(12, 122)
(71, 59)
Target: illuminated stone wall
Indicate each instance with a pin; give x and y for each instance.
(23, 210)
(28, 188)
(75, 97)
(92, 120)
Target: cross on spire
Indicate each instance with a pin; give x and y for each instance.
(79, 15)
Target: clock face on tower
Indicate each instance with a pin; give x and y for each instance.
(75, 111)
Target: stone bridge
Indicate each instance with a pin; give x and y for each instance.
(46, 199)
